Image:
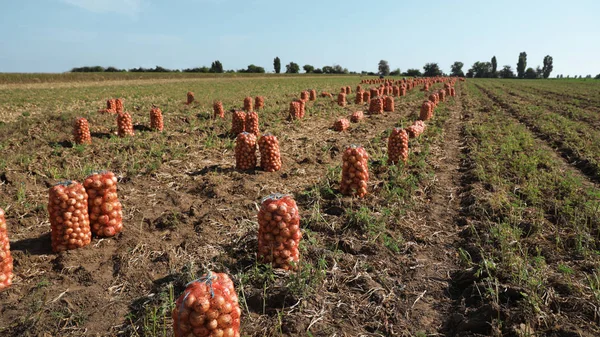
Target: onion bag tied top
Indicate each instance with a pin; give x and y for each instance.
(6, 260)
(270, 157)
(341, 124)
(105, 210)
(341, 100)
(156, 119)
(376, 105)
(124, 124)
(81, 131)
(359, 97)
(388, 104)
(356, 116)
(69, 219)
(304, 96)
(366, 96)
(218, 110)
(355, 171)
(190, 97)
(208, 307)
(279, 231)
(312, 95)
(259, 102)
(248, 103)
(397, 146)
(252, 123)
(426, 112)
(245, 151)
(238, 122)
(119, 105)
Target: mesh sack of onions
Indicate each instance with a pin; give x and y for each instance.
(442, 95)
(190, 97)
(425, 87)
(270, 157)
(156, 119)
(374, 92)
(304, 95)
(358, 87)
(366, 96)
(341, 124)
(245, 151)
(396, 90)
(119, 105)
(312, 95)
(452, 92)
(426, 111)
(359, 97)
(348, 90)
(69, 219)
(252, 123)
(124, 124)
(259, 102)
(248, 103)
(81, 131)
(416, 129)
(218, 110)
(279, 231)
(355, 171)
(104, 207)
(397, 146)
(6, 260)
(341, 100)
(326, 94)
(388, 90)
(302, 107)
(295, 112)
(389, 104)
(111, 106)
(376, 105)
(208, 307)
(342, 90)
(434, 99)
(356, 116)
(238, 122)
(402, 91)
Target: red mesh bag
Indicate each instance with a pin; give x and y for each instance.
(358, 87)
(6, 260)
(397, 146)
(366, 96)
(387, 90)
(252, 123)
(119, 105)
(312, 95)
(416, 129)
(348, 90)
(111, 106)
(104, 207)
(342, 90)
(295, 110)
(279, 232)
(326, 94)
(238, 122)
(270, 157)
(245, 151)
(374, 92)
(426, 110)
(355, 171)
(259, 102)
(341, 100)
(442, 95)
(302, 107)
(156, 119)
(124, 124)
(396, 90)
(356, 116)
(452, 92)
(218, 110)
(341, 125)
(425, 87)
(402, 91)
(248, 103)
(359, 97)
(69, 220)
(376, 105)
(81, 131)
(208, 307)
(304, 96)
(434, 98)
(190, 97)
(389, 104)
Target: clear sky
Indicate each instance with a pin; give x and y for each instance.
(56, 35)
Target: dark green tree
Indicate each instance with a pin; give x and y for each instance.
(597, 77)
(547, 69)
(431, 70)
(530, 74)
(253, 69)
(521, 65)
(494, 66)
(216, 67)
(413, 73)
(396, 72)
(292, 68)
(456, 68)
(277, 64)
(308, 68)
(507, 72)
(318, 71)
(384, 68)
(481, 69)
(538, 71)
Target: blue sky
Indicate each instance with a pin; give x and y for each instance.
(56, 35)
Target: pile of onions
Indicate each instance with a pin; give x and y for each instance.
(295, 110)
(343, 90)
(124, 124)
(396, 90)
(238, 122)
(442, 95)
(69, 220)
(425, 87)
(341, 99)
(279, 231)
(387, 90)
(397, 146)
(6, 260)
(356, 116)
(81, 131)
(156, 119)
(218, 110)
(374, 92)
(348, 90)
(341, 125)
(312, 95)
(111, 106)
(376, 105)
(245, 151)
(208, 307)
(119, 105)
(190, 97)
(359, 97)
(452, 92)
(434, 98)
(248, 103)
(358, 88)
(388, 104)
(106, 215)
(366, 96)
(304, 96)
(416, 129)
(270, 157)
(426, 111)
(252, 123)
(355, 171)
(326, 94)
(402, 91)
(259, 102)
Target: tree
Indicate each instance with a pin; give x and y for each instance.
(538, 71)
(216, 67)
(413, 73)
(481, 69)
(396, 72)
(456, 68)
(530, 73)
(308, 68)
(292, 68)
(277, 64)
(318, 71)
(494, 66)
(521, 65)
(470, 73)
(507, 72)
(547, 69)
(253, 69)
(384, 68)
(597, 77)
(431, 70)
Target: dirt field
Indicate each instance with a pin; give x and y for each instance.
(490, 229)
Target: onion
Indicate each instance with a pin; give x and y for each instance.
(81, 131)
(105, 209)
(69, 220)
(354, 160)
(6, 260)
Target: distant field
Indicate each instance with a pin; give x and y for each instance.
(491, 228)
